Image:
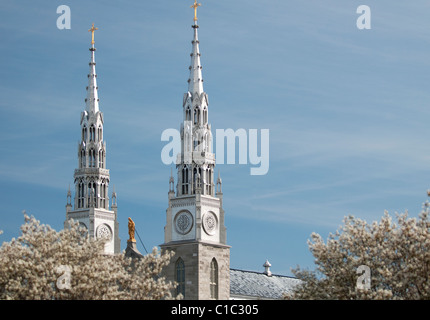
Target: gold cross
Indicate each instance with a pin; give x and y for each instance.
(92, 33)
(195, 6)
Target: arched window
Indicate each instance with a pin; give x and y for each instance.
(180, 277)
(103, 195)
(101, 158)
(83, 158)
(81, 195)
(92, 133)
(92, 195)
(208, 182)
(214, 279)
(196, 175)
(89, 195)
(188, 114)
(100, 133)
(205, 116)
(84, 133)
(185, 180)
(92, 158)
(96, 196)
(196, 115)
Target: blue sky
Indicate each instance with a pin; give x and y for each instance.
(347, 111)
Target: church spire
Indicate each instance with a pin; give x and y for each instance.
(195, 230)
(91, 177)
(92, 100)
(195, 81)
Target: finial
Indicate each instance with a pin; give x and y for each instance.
(92, 33)
(267, 266)
(114, 204)
(195, 6)
(69, 197)
(219, 183)
(171, 181)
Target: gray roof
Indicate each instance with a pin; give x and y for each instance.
(259, 285)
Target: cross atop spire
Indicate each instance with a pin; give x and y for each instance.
(195, 6)
(92, 33)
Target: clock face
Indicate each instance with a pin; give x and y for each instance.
(210, 223)
(104, 232)
(183, 222)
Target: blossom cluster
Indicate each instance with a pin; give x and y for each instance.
(397, 254)
(45, 264)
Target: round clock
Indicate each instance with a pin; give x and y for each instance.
(183, 222)
(210, 223)
(104, 232)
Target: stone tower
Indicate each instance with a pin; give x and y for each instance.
(91, 178)
(195, 229)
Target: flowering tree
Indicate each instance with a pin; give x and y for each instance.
(384, 260)
(45, 264)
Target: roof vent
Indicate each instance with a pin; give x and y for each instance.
(267, 266)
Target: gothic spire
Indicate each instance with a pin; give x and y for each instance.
(92, 100)
(195, 81)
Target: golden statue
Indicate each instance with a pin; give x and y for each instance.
(131, 230)
(92, 33)
(195, 6)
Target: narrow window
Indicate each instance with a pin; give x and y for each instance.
(214, 279)
(180, 277)
(101, 159)
(188, 114)
(89, 194)
(205, 116)
(185, 180)
(96, 197)
(103, 195)
(84, 133)
(83, 158)
(81, 196)
(100, 134)
(92, 158)
(92, 133)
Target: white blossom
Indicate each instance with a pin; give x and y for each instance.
(29, 267)
(398, 255)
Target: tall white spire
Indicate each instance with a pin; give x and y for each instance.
(92, 178)
(92, 100)
(195, 81)
(195, 226)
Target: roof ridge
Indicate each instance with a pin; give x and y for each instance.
(262, 273)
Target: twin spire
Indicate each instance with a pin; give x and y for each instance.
(195, 81)
(92, 100)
